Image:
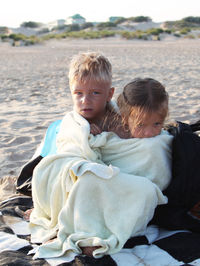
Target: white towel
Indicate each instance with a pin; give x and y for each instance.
(98, 190)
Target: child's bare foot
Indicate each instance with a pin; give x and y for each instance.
(89, 250)
(27, 214)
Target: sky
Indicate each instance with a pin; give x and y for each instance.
(14, 12)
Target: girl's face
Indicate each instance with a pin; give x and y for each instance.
(90, 99)
(149, 125)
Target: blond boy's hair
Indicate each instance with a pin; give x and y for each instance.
(90, 66)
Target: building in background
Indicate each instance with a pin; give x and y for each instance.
(75, 19)
(55, 23)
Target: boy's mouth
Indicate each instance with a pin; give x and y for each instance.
(86, 110)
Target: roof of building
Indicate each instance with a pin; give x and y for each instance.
(77, 16)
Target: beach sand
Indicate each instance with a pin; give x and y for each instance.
(34, 87)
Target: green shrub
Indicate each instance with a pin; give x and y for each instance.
(87, 25)
(31, 41)
(120, 20)
(169, 31)
(74, 34)
(17, 37)
(182, 24)
(81, 34)
(106, 33)
(128, 35)
(91, 34)
(140, 35)
(188, 22)
(185, 31)
(140, 19)
(177, 35)
(192, 19)
(50, 36)
(116, 20)
(154, 31)
(106, 25)
(20, 39)
(190, 36)
(30, 24)
(3, 37)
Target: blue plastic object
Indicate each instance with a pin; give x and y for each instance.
(49, 147)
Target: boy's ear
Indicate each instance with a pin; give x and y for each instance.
(111, 92)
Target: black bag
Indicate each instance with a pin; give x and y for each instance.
(183, 208)
(24, 181)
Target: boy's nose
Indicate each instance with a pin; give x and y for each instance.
(85, 98)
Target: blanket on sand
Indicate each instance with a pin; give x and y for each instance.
(156, 247)
(97, 191)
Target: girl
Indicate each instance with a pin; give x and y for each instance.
(143, 105)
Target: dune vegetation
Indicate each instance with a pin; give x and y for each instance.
(118, 26)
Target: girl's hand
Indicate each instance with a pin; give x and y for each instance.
(95, 130)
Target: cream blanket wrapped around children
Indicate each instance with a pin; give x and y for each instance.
(97, 190)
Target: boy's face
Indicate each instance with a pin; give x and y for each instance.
(150, 125)
(90, 99)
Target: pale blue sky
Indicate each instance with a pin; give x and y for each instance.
(14, 12)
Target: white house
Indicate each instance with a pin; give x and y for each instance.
(55, 23)
(75, 19)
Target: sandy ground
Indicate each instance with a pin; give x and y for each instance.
(34, 87)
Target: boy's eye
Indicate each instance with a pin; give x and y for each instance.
(78, 92)
(96, 92)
